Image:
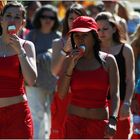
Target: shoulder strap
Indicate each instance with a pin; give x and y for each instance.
(122, 48)
(24, 44)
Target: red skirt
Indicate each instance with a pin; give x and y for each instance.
(16, 122)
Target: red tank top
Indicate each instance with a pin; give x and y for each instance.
(90, 88)
(11, 78)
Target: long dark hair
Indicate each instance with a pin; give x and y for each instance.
(36, 19)
(96, 47)
(74, 8)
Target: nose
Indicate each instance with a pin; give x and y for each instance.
(81, 39)
(11, 20)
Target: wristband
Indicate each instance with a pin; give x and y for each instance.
(127, 104)
(23, 54)
(64, 53)
(114, 118)
(112, 126)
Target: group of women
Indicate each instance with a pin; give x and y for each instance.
(95, 85)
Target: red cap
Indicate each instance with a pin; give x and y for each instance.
(84, 24)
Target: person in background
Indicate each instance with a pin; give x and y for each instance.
(126, 11)
(31, 7)
(18, 65)
(111, 6)
(136, 98)
(111, 42)
(45, 24)
(89, 74)
(93, 10)
(59, 106)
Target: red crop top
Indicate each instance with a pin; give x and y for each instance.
(11, 78)
(90, 88)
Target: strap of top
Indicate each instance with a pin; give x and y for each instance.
(122, 48)
(24, 44)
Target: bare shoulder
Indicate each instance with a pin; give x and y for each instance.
(127, 49)
(108, 58)
(28, 46)
(57, 43)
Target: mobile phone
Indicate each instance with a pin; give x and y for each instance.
(11, 29)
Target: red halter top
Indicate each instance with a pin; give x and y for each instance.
(11, 78)
(90, 88)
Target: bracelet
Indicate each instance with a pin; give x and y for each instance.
(22, 54)
(114, 118)
(127, 104)
(64, 53)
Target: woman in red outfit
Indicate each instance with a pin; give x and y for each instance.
(18, 65)
(59, 106)
(90, 74)
(111, 42)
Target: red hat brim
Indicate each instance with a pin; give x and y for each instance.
(83, 30)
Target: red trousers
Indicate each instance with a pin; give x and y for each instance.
(58, 116)
(81, 128)
(16, 122)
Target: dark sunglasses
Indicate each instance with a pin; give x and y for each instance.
(47, 17)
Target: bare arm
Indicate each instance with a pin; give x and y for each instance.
(114, 85)
(28, 64)
(58, 60)
(114, 93)
(130, 81)
(65, 78)
(27, 58)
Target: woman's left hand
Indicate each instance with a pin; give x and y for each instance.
(15, 43)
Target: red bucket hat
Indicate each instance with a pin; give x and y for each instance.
(84, 24)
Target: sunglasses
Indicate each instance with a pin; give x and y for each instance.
(47, 17)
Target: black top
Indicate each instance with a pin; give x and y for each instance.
(122, 72)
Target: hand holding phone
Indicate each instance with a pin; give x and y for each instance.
(11, 29)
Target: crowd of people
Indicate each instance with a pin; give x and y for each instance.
(75, 71)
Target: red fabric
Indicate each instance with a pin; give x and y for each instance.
(123, 126)
(81, 128)
(135, 136)
(11, 79)
(123, 129)
(95, 88)
(90, 88)
(58, 116)
(138, 98)
(16, 122)
(84, 24)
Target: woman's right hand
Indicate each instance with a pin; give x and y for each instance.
(73, 58)
(68, 45)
